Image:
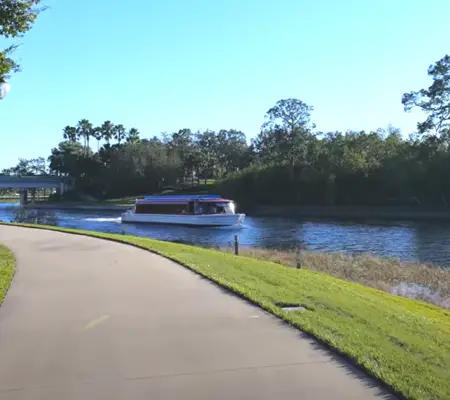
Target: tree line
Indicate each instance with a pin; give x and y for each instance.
(288, 162)
(294, 164)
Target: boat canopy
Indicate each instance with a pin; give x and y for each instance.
(182, 199)
(188, 197)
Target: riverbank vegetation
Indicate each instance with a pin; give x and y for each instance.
(427, 283)
(7, 265)
(404, 342)
(288, 162)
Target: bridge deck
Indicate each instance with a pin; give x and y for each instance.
(33, 182)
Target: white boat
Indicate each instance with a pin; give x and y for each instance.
(199, 210)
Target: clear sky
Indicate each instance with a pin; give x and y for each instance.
(162, 65)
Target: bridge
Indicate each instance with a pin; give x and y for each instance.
(23, 184)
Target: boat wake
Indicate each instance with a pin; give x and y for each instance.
(117, 220)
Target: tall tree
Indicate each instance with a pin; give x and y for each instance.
(119, 133)
(287, 129)
(208, 152)
(85, 131)
(70, 133)
(182, 144)
(107, 130)
(16, 18)
(232, 151)
(65, 159)
(133, 136)
(434, 101)
(97, 134)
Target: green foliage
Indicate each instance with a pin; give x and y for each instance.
(405, 343)
(7, 265)
(133, 136)
(7, 64)
(119, 133)
(285, 133)
(130, 165)
(34, 166)
(16, 18)
(434, 101)
(355, 168)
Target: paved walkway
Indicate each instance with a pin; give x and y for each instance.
(90, 319)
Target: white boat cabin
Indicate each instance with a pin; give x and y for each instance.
(182, 205)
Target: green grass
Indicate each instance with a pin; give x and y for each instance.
(7, 265)
(379, 273)
(403, 342)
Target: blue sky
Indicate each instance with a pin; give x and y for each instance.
(162, 65)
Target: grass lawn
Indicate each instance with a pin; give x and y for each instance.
(387, 274)
(7, 264)
(403, 342)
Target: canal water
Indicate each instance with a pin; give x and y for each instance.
(406, 240)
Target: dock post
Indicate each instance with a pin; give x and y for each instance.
(236, 245)
(298, 258)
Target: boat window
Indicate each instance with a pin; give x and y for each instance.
(161, 209)
(214, 208)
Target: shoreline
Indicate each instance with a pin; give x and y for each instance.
(354, 212)
(81, 207)
(329, 212)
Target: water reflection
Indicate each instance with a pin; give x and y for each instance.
(431, 240)
(30, 216)
(407, 240)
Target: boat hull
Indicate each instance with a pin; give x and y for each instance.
(184, 219)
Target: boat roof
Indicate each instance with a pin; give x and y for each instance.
(214, 201)
(181, 199)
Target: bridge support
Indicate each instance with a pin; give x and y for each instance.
(23, 193)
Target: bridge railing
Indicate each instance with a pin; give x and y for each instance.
(38, 181)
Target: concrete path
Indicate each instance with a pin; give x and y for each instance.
(90, 319)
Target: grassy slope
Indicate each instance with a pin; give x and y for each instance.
(403, 342)
(379, 273)
(7, 264)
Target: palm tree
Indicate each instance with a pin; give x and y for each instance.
(107, 130)
(85, 130)
(97, 133)
(119, 133)
(70, 133)
(133, 136)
